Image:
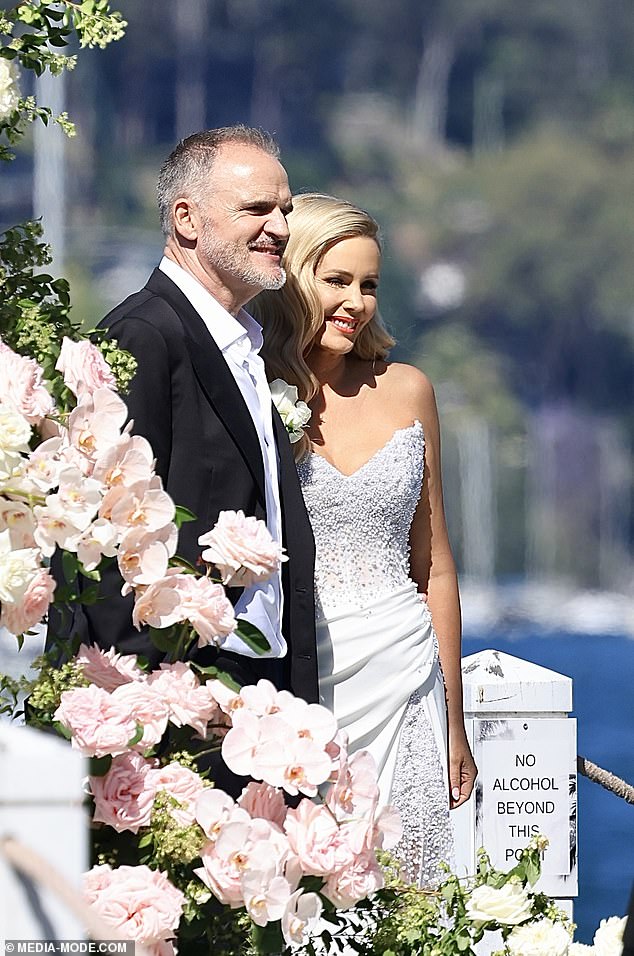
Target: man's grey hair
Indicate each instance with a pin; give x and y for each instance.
(186, 170)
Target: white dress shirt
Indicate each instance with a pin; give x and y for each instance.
(240, 340)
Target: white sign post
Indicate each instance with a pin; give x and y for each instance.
(525, 746)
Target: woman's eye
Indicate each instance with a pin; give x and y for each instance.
(334, 280)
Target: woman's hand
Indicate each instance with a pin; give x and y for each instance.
(462, 770)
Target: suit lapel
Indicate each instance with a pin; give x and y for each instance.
(214, 377)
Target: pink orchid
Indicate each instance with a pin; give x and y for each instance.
(127, 461)
(142, 506)
(143, 557)
(99, 540)
(96, 423)
(300, 917)
(215, 809)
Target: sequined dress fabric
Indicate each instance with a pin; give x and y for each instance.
(377, 651)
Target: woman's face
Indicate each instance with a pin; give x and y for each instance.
(347, 281)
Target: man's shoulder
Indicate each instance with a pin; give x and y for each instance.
(148, 306)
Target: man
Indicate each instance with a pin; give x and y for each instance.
(201, 398)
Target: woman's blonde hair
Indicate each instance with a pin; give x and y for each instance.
(293, 316)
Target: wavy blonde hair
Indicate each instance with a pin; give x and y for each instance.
(293, 317)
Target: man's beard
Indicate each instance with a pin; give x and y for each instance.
(234, 259)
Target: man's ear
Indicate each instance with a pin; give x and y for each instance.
(185, 219)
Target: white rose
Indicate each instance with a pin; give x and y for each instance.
(542, 938)
(608, 939)
(508, 904)
(17, 569)
(15, 431)
(580, 949)
(9, 92)
(294, 414)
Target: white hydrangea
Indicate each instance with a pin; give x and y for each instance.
(9, 92)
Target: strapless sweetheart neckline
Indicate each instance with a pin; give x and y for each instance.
(406, 428)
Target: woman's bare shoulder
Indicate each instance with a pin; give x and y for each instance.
(408, 383)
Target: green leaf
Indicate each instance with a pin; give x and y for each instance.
(70, 565)
(163, 638)
(183, 515)
(137, 736)
(99, 766)
(253, 637)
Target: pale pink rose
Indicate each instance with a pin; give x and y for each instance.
(262, 800)
(19, 618)
(354, 882)
(181, 783)
(138, 901)
(206, 606)
(83, 367)
(143, 556)
(314, 836)
(127, 461)
(108, 669)
(142, 506)
(241, 549)
(124, 795)
(146, 708)
(21, 384)
(19, 519)
(300, 917)
(190, 703)
(95, 424)
(99, 725)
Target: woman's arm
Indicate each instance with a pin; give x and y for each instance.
(434, 571)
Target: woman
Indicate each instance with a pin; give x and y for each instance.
(369, 465)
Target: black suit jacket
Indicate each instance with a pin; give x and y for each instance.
(186, 402)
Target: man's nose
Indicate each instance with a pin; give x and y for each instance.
(276, 224)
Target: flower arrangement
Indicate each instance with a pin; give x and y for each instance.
(299, 862)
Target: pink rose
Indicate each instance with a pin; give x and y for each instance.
(98, 724)
(182, 784)
(241, 549)
(262, 800)
(108, 669)
(124, 795)
(354, 882)
(84, 368)
(190, 703)
(146, 708)
(19, 618)
(206, 606)
(21, 384)
(140, 902)
(315, 838)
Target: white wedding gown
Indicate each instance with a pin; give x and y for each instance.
(378, 655)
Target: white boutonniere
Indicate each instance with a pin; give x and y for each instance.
(295, 415)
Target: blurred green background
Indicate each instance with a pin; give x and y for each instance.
(494, 141)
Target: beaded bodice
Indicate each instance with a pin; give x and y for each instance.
(362, 521)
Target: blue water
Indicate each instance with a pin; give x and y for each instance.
(602, 668)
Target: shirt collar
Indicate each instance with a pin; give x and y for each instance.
(225, 329)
